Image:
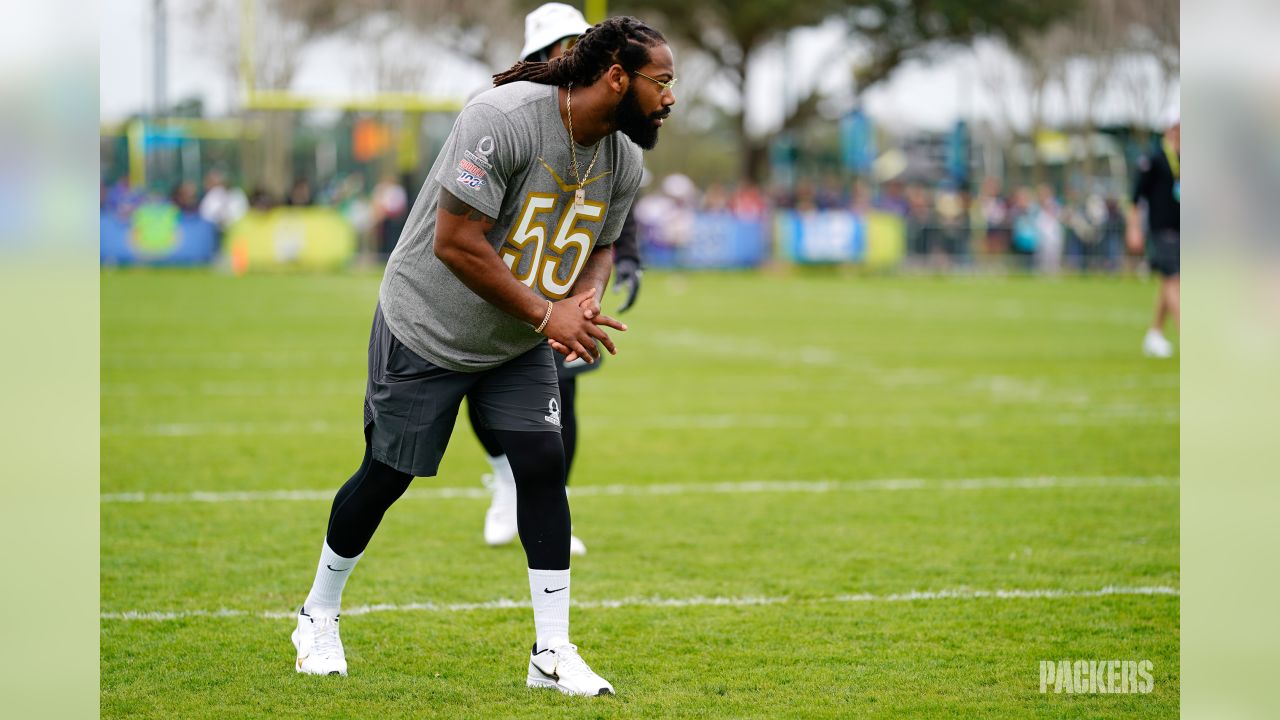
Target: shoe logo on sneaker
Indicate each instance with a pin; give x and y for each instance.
(553, 409)
(547, 591)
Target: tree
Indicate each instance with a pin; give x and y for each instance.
(278, 40)
(400, 42)
(732, 34)
(1125, 48)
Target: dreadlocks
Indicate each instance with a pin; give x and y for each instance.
(621, 40)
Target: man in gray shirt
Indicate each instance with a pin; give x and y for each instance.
(549, 32)
(503, 261)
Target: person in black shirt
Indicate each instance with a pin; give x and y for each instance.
(1158, 187)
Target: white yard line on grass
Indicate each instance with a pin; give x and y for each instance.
(651, 602)
(1100, 416)
(720, 488)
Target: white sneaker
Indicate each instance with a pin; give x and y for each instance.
(563, 668)
(500, 520)
(1155, 345)
(576, 546)
(319, 647)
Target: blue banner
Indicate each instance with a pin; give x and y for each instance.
(832, 236)
(156, 234)
(718, 240)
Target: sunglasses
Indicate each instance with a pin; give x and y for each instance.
(669, 85)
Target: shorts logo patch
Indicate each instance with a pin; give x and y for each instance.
(469, 179)
(553, 408)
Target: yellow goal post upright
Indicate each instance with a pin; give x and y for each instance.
(412, 105)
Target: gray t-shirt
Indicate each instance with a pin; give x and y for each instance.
(508, 157)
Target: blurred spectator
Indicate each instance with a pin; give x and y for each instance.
(1049, 231)
(222, 205)
(300, 195)
(390, 209)
(832, 195)
(715, 199)
(893, 199)
(350, 200)
(861, 202)
(1086, 221)
(951, 237)
(185, 197)
(781, 197)
(1078, 231)
(920, 221)
(1022, 215)
(747, 202)
(666, 217)
(805, 198)
(121, 199)
(1111, 235)
(995, 217)
(261, 199)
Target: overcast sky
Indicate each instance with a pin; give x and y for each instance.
(973, 83)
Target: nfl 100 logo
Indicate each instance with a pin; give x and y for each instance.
(470, 175)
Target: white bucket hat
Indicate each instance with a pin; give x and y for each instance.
(549, 23)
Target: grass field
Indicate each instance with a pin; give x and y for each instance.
(768, 469)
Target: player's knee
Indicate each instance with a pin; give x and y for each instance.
(536, 457)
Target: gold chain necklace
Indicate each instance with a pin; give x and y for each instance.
(579, 195)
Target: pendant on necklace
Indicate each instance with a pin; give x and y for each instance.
(579, 198)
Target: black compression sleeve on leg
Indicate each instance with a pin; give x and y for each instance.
(486, 436)
(360, 504)
(542, 508)
(569, 429)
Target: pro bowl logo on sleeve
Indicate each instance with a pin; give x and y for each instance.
(480, 157)
(471, 169)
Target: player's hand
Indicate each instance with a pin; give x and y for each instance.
(626, 276)
(590, 304)
(1133, 240)
(575, 326)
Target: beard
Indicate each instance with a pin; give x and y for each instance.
(635, 124)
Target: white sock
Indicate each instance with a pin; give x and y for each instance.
(550, 591)
(502, 469)
(331, 577)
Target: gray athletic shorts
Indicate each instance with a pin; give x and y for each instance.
(410, 405)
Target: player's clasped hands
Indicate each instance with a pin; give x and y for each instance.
(574, 327)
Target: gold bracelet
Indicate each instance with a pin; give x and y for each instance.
(545, 318)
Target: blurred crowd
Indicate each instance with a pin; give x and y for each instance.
(377, 214)
(1037, 227)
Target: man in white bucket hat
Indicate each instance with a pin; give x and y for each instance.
(550, 30)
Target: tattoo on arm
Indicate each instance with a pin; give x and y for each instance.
(454, 206)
